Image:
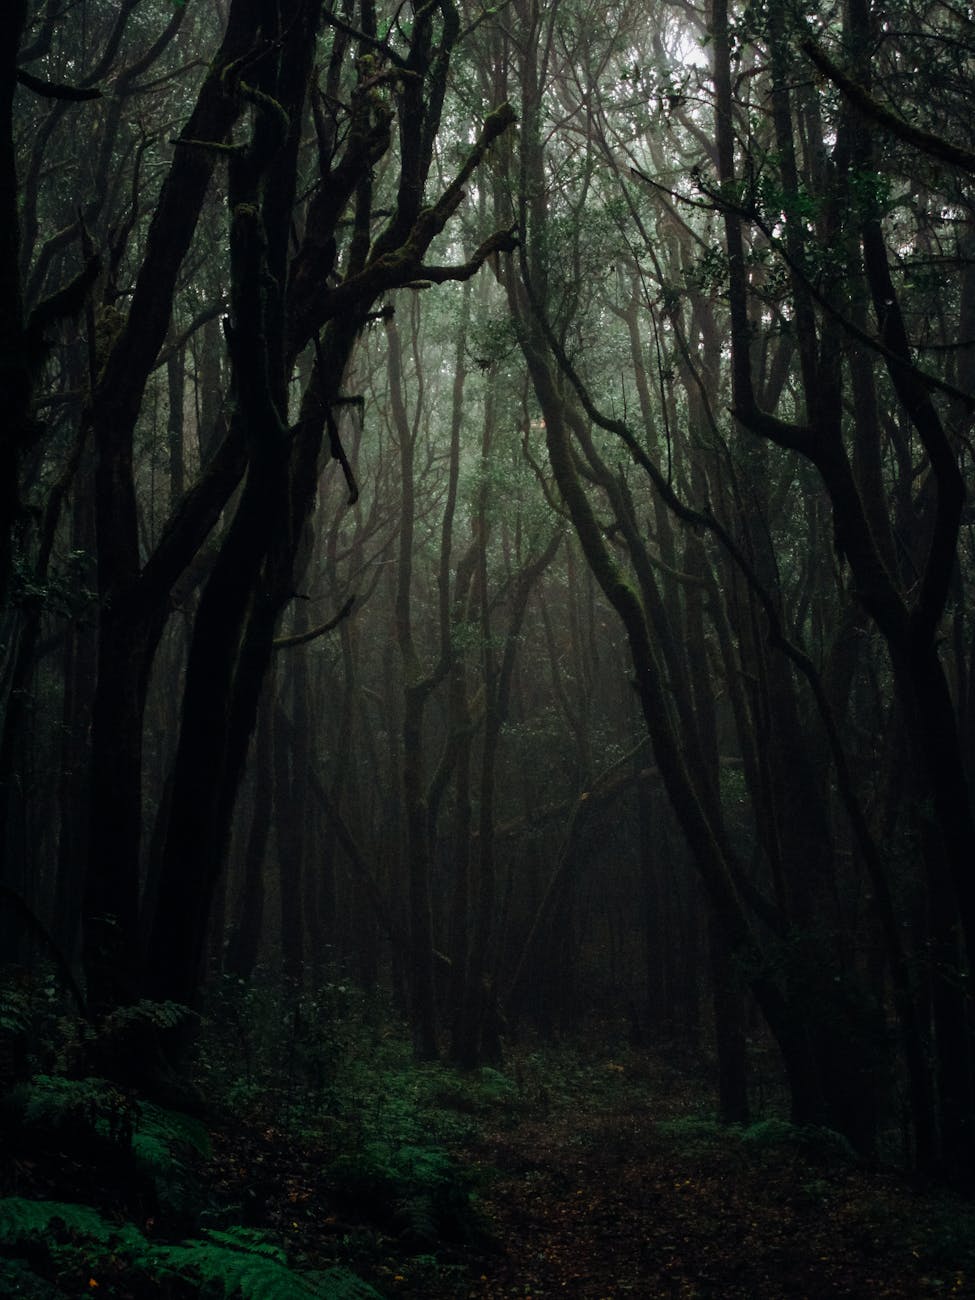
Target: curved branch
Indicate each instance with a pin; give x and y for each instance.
(56, 89)
(861, 99)
(302, 638)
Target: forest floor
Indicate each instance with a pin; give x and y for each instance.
(611, 1182)
(574, 1172)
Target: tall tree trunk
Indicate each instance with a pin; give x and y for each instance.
(245, 938)
(133, 614)
(416, 691)
(14, 360)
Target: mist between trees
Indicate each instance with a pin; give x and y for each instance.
(484, 510)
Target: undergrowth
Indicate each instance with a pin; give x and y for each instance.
(141, 1163)
(132, 1214)
(329, 1156)
(774, 1138)
(78, 1251)
(339, 1069)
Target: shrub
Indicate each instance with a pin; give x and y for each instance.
(75, 1247)
(417, 1191)
(809, 1139)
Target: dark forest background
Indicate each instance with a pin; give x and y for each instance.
(483, 517)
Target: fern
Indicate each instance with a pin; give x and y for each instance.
(416, 1190)
(418, 1219)
(478, 1093)
(241, 1261)
(341, 1284)
(20, 1280)
(697, 1135)
(232, 1264)
(86, 1106)
(21, 1219)
(235, 1261)
(246, 1239)
(429, 1166)
(811, 1139)
(72, 1236)
(172, 1127)
(156, 1015)
(158, 1142)
(496, 1087)
(14, 1012)
(154, 1139)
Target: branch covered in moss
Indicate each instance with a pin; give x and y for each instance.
(502, 241)
(64, 302)
(934, 145)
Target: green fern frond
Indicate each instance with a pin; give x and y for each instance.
(417, 1190)
(23, 1221)
(145, 1012)
(157, 1139)
(809, 1138)
(429, 1167)
(696, 1132)
(172, 1127)
(20, 1280)
(249, 1240)
(14, 1012)
(341, 1284)
(240, 1262)
(93, 1105)
(232, 1264)
(159, 1143)
(418, 1220)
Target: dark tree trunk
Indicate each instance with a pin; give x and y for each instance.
(729, 1028)
(17, 429)
(133, 614)
(291, 759)
(245, 939)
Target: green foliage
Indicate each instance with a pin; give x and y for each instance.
(41, 1033)
(14, 1012)
(62, 1241)
(20, 1280)
(74, 1243)
(236, 1261)
(150, 1140)
(15, 1024)
(811, 1140)
(493, 340)
(418, 1191)
(159, 1142)
(146, 1013)
(30, 1029)
(342, 1284)
(251, 1049)
(478, 1093)
(701, 1135)
(22, 1219)
(90, 1107)
(65, 592)
(709, 273)
(169, 1128)
(493, 1087)
(697, 1135)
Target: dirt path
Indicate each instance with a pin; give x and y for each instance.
(603, 1208)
